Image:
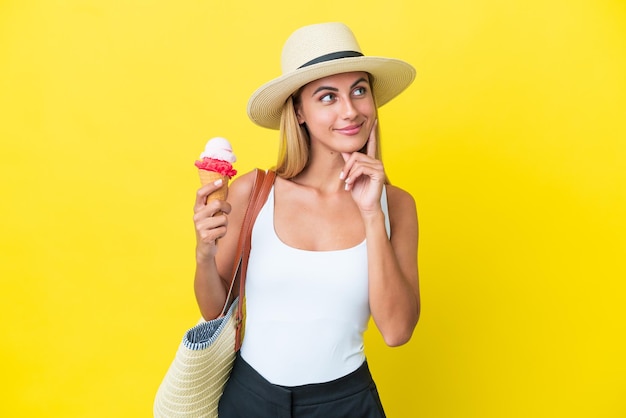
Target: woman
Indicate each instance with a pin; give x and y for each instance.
(334, 244)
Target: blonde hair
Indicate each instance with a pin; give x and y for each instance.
(294, 146)
(293, 149)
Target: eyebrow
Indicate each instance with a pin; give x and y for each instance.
(321, 88)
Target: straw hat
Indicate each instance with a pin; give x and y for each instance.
(318, 51)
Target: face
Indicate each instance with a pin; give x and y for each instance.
(338, 111)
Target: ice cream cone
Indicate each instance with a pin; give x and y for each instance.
(215, 163)
(207, 177)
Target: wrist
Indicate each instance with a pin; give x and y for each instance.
(373, 217)
(204, 257)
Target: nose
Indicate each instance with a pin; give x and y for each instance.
(349, 110)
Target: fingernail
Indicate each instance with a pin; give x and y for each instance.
(346, 187)
(218, 182)
(341, 176)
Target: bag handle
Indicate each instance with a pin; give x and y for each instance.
(263, 183)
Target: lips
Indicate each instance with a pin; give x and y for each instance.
(350, 130)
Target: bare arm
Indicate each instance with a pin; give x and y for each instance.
(216, 243)
(392, 267)
(392, 262)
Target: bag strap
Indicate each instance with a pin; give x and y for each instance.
(263, 183)
(256, 187)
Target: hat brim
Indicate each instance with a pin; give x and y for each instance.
(389, 78)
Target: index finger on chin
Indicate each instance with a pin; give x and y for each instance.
(372, 141)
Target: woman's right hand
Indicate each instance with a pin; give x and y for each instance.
(209, 228)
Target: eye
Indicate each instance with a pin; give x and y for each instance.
(360, 91)
(327, 98)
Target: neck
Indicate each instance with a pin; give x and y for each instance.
(323, 173)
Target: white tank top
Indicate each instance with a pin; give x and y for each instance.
(306, 311)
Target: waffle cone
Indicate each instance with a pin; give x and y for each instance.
(207, 177)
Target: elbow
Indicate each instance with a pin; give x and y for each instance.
(402, 334)
(397, 339)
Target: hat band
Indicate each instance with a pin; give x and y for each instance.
(332, 56)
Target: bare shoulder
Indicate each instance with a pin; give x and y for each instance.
(240, 189)
(400, 200)
(402, 217)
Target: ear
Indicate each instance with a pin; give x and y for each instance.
(299, 114)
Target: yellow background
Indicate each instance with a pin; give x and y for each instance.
(511, 140)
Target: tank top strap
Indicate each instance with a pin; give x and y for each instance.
(385, 207)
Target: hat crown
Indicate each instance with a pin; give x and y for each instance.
(311, 42)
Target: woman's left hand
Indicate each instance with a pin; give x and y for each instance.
(364, 175)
